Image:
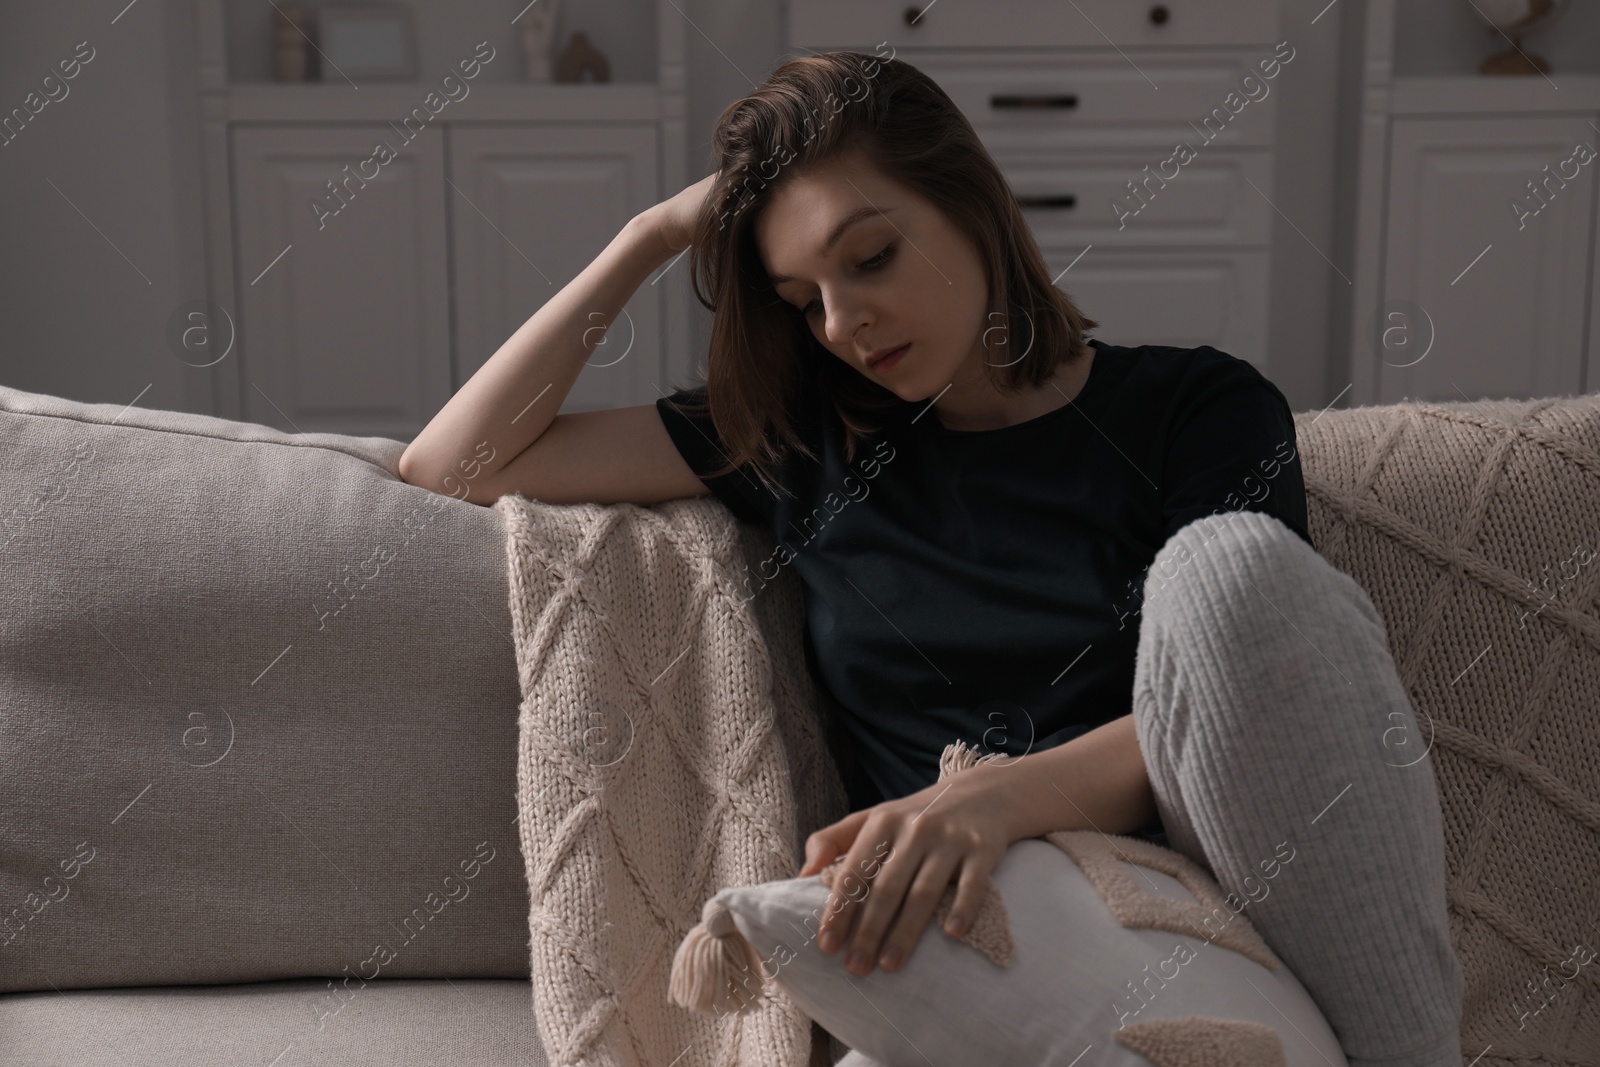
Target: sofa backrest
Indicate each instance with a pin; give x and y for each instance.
(259, 701)
(1474, 527)
(260, 697)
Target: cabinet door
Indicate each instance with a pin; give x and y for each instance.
(531, 205)
(1479, 298)
(344, 322)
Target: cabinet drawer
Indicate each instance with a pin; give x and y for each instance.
(1107, 24)
(1170, 298)
(1085, 197)
(1060, 99)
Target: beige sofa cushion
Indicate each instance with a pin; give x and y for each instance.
(291, 1023)
(1469, 525)
(219, 768)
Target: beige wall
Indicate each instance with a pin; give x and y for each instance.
(101, 194)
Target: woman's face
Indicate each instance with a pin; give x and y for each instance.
(899, 273)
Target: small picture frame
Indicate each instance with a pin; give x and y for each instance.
(372, 41)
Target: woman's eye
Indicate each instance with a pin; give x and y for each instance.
(874, 263)
(881, 258)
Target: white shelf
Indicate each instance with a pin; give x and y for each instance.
(1484, 94)
(607, 102)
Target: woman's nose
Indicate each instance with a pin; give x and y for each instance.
(843, 322)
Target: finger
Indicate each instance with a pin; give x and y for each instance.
(852, 883)
(923, 897)
(877, 910)
(828, 842)
(971, 887)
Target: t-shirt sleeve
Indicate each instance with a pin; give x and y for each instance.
(1232, 448)
(696, 440)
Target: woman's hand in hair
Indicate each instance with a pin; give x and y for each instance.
(901, 855)
(675, 217)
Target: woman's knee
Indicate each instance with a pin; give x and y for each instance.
(1226, 601)
(1230, 575)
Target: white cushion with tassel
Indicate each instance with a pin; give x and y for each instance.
(1087, 941)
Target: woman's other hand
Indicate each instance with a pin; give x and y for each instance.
(675, 217)
(899, 856)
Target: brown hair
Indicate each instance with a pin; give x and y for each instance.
(817, 108)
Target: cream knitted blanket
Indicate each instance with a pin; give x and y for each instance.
(669, 746)
(1475, 529)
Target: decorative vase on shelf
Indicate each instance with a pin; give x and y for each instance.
(1514, 19)
(538, 40)
(291, 47)
(582, 61)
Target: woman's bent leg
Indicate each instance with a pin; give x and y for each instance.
(1285, 758)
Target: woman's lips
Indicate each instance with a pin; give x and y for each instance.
(883, 363)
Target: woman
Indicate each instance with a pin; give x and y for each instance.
(1091, 557)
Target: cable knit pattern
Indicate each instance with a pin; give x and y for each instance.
(669, 746)
(1475, 528)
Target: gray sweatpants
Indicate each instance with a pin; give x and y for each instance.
(1270, 715)
(1273, 724)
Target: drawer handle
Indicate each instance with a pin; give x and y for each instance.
(1159, 14)
(914, 13)
(1024, 100)
(1048, 201)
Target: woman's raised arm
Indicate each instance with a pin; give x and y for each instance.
(493, 419)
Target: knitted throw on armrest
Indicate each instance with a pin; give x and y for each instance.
(669, 745)
(1475, 529)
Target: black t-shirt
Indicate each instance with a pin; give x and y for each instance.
(986, 585)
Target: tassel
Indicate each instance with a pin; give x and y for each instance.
(958, 756)
(715, 969)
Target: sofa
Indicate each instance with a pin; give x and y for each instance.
(259, 699)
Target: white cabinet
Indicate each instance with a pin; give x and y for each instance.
(564, 191)
(1457, 292)
(1458, 248)
(343, 313)
(346, 309)
(1159, 247)
(365, 314)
